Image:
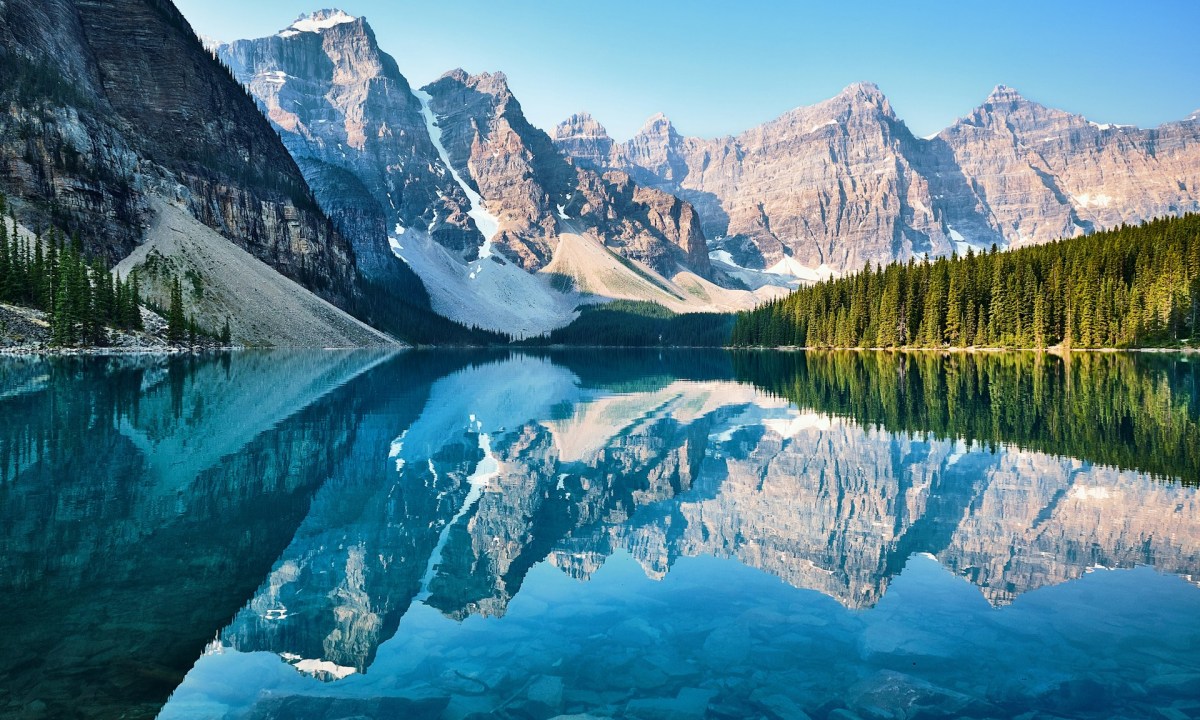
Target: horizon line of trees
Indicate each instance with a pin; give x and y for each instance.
(1127, 287)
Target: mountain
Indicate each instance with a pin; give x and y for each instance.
(503, 229)
(113, 111)
(835, 186)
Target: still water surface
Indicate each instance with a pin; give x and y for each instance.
(614, 535)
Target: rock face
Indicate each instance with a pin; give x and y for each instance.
(352, 121)
(111, 103)
(452, 176)
(512, 165)
(845, 183)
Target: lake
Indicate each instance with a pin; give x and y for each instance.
(604, 534)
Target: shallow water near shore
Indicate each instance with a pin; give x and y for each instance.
(629, 535)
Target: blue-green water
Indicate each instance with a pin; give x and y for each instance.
(603, 534)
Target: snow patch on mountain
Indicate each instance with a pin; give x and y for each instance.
(790, 266)
(492, 293)
(1093, 200)
(487, 223)
(318, 21)
(752, 278)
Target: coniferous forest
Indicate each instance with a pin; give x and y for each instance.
(81, 298)
(1128, 287)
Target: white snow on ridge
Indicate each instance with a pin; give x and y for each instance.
(1088, 200)
(960, 243)
(500, 295)
(790, 266)
(487, 223)
(751, 277)
(317, 22)
(825, 124)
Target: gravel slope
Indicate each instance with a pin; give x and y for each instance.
(223, 281)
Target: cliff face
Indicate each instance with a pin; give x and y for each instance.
(454, 181)
(845, 183)
(351, 120)
(114, 102)
(513, 165)
(1046, 174)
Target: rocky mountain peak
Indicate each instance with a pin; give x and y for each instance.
(582, 137)
(1010, 111)
(657, 124)
(318, 21)
(863, 90)
(1004, 99)
(581, 124)
(491, 83)
(863, 96)
(1003, 94)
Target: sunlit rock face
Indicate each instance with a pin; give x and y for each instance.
(844, 183)
(455, 160)
(520, 462)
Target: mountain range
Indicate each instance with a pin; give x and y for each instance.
(361, 203)
(835, 186)
(504, 230)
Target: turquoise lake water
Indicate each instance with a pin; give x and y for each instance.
(600, 534)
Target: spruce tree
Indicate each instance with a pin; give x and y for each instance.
(176, 322)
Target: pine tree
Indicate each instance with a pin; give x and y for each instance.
(176, 322)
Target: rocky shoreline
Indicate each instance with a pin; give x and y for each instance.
(25, 331)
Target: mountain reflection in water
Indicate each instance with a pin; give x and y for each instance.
(407, 534)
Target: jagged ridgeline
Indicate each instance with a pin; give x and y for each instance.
(1129, 287)
(1133, 412)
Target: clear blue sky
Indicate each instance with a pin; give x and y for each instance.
(718, 67)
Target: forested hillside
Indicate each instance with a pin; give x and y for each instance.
(1129, 287)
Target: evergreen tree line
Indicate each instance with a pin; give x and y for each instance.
(49, 273)
(1130, 412)
(1128, 287)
